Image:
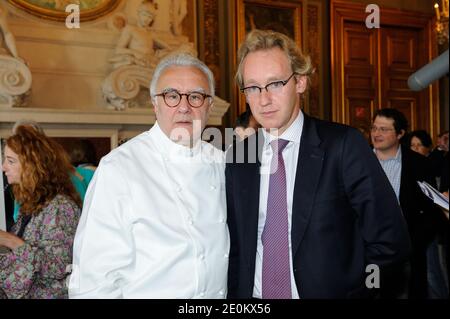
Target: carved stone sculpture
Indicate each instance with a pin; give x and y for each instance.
(178, 13)
(136, 55)
(15, 76)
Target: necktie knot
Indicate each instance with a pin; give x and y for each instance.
(278, 145)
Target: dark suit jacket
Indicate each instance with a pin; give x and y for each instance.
(9, 203)
(345, 215)
(444, 176)
(423, 217)
(420, 212)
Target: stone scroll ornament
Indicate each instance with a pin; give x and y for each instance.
(123, 85)
(15, 81)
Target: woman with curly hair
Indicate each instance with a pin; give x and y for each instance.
(40, 243)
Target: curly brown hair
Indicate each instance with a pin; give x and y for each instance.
(45, 171)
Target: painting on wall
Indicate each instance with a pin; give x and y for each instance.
(56, 9)
(284, 17)
(279, 16)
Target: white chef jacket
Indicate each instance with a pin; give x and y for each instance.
(154, 223)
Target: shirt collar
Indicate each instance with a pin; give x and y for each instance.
(169, 147)
(292, 134)
(397, 157)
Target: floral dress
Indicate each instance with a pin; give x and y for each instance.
(40, 267)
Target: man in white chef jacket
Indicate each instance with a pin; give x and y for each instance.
(154, 217)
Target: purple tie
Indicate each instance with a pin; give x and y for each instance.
(276, 276)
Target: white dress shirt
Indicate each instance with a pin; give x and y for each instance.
(393, 170)
(154, 223)
(290, 157)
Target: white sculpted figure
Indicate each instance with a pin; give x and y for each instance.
(178, 13)
(137, 44)
(7, 41)
(137, 52)
(15, 76)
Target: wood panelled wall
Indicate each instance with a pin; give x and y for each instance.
(218, 29)
(370, 67)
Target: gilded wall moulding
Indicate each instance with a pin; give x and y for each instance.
(55, 9)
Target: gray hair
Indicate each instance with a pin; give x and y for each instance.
(181, 59)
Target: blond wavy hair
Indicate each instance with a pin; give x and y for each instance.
(258, 40)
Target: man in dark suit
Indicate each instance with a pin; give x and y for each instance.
(404, 168)
(309, 207)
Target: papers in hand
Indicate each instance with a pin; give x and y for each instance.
(434, 195)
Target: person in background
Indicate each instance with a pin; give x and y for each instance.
(404, 168)
(442, 143)
(79, 176)
(439, 159)
(420, 141)
(82, 157)
(82, 154)
(40, 242)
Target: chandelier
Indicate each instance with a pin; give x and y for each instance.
(442, 22)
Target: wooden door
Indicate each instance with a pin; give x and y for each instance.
(360, 75)
(401, 55)
(370, 67)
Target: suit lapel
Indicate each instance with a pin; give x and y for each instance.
(309, 167)
(404, 178)
(250, 181)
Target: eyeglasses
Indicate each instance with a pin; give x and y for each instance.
(272, 87)
(173, 98)
(382, 129)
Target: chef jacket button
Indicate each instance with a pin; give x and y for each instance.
(221, 293)
(225, 256)
(213, 187)
(202, 294)
(202, 257)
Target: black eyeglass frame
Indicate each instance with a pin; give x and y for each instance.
(269, 84)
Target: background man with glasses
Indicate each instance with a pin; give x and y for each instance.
(326, 211)
(154, 218)
(404, 168)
